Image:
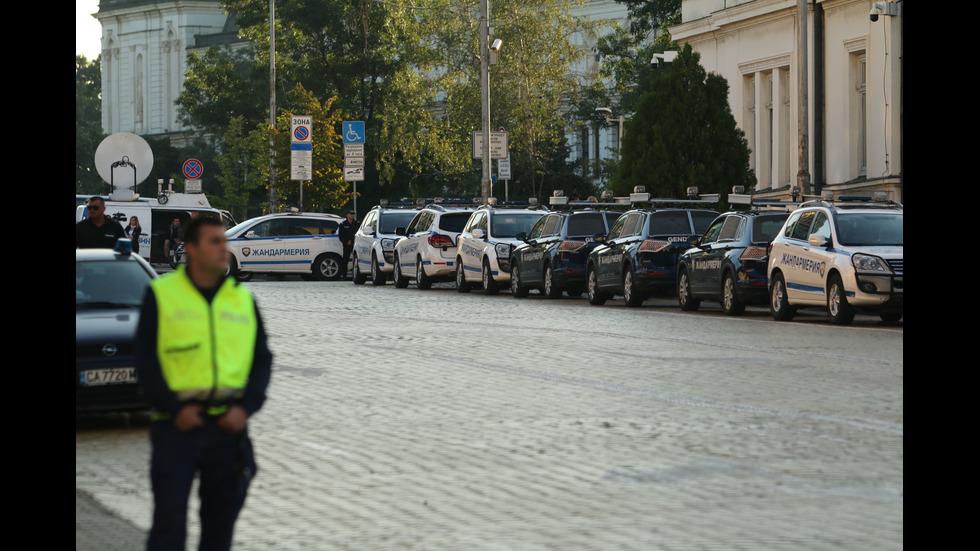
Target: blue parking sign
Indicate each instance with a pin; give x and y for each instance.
(353, 131)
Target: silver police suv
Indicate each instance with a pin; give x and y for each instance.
(374, 242)
(845, 255)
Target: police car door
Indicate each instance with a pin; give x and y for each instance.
(260, 253)
(407, 245)
(364, 239)
(699, 258)
(611, 263)
(471, 249)
(532, 258)
(797, 264)
(713, 261)
(813, 272)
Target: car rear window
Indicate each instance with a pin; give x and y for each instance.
(392, 220)
(702, 219)
(586, 225)
(670, 223)
(454, 221)
(766, 228)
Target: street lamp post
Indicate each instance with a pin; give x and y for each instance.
(485, 94)
(607, 113)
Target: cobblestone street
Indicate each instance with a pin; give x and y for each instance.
(431, 420)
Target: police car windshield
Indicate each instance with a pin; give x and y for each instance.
(109, 284)
(765, 228)
(586, 225)
(870, 228)
(392, 220)
(454, 221)
(509, 224)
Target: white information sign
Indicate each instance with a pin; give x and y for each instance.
(498, 145)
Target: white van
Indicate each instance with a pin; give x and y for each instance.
(155, 218)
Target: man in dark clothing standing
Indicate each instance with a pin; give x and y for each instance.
(97, 231)
(203, 359)
(347, 230)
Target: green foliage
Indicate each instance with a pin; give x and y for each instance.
(88, 125)
(220, 85)
(684, 134)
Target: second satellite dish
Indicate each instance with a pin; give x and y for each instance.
(123, 160)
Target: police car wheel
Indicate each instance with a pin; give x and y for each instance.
(234, 272)
(399, 279)
(596, 297)
(462, 286)
(684, 298)
(778, 305)
(421, 280)
(841, 312)
(326, 267)
(359, 277)
(377, 276)
(490, 286)
(891, 317)
(550, 291)
(631, 297)
(729, 297)
(516, 289)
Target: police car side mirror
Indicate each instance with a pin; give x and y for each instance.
(693, 241)
(249, 234)
(816, 240)
(522, 237)
(399, 231)
(478, 234)
(599, 237)
(369, 231)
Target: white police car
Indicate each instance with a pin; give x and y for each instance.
(287, 243)
(374, 242)
(484, 246)
(427, 251)
(845, 255)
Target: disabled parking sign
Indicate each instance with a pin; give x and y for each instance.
(353, 131)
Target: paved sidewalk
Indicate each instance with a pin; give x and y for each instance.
(98, 529)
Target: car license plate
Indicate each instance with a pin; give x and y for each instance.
(116, 375)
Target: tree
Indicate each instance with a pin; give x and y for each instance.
(88, 125)
(684, 134)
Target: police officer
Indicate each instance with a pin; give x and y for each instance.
(97, 231)
(346, 232)
(202, 358)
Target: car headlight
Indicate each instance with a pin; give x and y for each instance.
(868, 263)
(387, 244)
(502, 250)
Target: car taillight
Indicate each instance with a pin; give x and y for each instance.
(653, 245)
(570, 246)
(754, 253)
(439, 240)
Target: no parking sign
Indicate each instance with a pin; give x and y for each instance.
(192, 169)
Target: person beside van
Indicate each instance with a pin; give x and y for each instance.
(97, 231)
(133, 232)
(173, 237)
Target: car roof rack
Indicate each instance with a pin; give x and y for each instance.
(761, 203)
(492, 203)
(878, 200)
(640, 195)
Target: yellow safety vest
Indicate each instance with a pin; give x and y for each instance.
(205, 350)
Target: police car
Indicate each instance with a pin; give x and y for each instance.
(553, 255)
(374, 242)
(485, 244)
(729, 262)
(109, 288)
(845, 255)
(280, 243)
(639, 256)
(427, 251)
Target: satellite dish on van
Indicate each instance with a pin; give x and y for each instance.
(123, 160)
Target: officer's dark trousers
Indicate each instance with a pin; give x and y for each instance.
(348, 250)
(218, 457)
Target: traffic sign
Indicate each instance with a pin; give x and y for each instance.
(503, 168)
(353, 150)
(301, 161)
(498, 145)
(354, 173)
(353, 161)
(353, 131)
(192, 169)
(301, 129)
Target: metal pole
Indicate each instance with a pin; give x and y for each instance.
(619, 144)
(272, 104)
(803, 175)
(485, 94)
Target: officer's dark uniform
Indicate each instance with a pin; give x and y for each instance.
(346, 233)
(90, 236)
(172, 359)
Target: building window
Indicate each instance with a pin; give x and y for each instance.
(859, 112)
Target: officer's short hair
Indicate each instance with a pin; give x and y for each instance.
(192, 231)
(96, 198)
